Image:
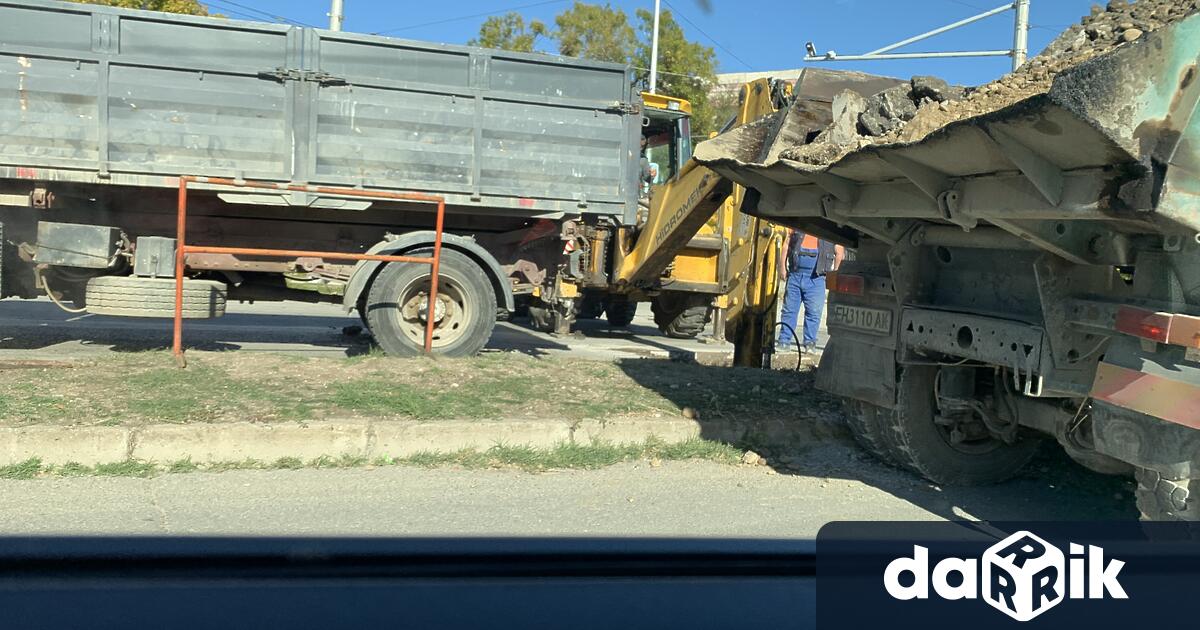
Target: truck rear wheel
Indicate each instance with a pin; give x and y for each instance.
(129, 296)
(914, 441)
(867, 425)
(681, 316)
(464, 316)
(1163, 499)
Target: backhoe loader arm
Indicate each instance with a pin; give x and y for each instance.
(679, 208)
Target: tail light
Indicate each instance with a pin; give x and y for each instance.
(848, 283)
(1169, 328)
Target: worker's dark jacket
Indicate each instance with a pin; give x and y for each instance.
(825, 255)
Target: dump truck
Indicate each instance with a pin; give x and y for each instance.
(538, 159)
(1023, 272)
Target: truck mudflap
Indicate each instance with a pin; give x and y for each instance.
(857, 370)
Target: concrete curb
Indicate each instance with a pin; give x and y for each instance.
(237, 441)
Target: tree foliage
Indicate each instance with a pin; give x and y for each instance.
(598, 31)
(594, 31)
(187, 7)
(510, 32)
(685, 69)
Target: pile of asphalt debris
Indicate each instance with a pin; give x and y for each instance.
(909, 112)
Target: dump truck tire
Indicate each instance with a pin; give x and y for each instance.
(129, 296)
(1163, 499)
(916, 443)
(681, 317)
(397, 305)
(619, 311)
(866, 423)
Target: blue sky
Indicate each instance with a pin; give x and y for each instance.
(746, 34)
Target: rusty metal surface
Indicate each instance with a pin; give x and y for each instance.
(1151, 394)
(124, 97)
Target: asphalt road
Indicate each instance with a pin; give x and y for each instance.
(792, 498)
(36, 329)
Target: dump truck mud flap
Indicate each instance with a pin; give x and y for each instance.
(857, 370)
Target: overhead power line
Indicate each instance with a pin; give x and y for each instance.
(468, 17)
(251, 12)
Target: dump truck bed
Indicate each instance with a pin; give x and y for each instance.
(96, 94)
(1115, 140)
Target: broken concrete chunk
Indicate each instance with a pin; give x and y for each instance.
(895, 103)
(847, 107)
(932, 88)
(872, 123)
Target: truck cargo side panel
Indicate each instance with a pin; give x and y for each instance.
(374, 136)
(563, 152)
(50, 107)
(96, 94)
(177, 121)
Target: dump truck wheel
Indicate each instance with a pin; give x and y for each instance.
(917, 443)
(1163, 499)
(130, 296)
(464, 316)
(681, 317)
(619, 311)
(866, 424)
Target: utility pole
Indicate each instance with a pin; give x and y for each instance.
(654, 50)
(1021, 36)
(336, 15)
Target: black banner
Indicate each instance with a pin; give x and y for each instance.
(1007, 575)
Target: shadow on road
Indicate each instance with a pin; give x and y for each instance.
(801, 431)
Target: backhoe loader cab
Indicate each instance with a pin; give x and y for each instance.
(666, 127)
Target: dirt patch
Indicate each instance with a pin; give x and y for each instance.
(146, 388)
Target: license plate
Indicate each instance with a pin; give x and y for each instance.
(874, 320)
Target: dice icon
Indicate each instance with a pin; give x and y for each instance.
(1023, 576)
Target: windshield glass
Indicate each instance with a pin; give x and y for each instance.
(897, 297)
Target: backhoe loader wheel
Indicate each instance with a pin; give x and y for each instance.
(681, 316)
(590, 307)
(914, 441)
(464, 313)
(619, 311)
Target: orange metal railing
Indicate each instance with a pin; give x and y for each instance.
(182, 249)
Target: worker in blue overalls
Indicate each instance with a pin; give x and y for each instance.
(808, 260)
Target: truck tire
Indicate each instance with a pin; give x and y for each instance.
(1163, 499)
(398, 299)
(866, 424)
(619, 311)
(917, 443)
(681, 316)
(130, 296)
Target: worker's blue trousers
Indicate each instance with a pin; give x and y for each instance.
(803, 287)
